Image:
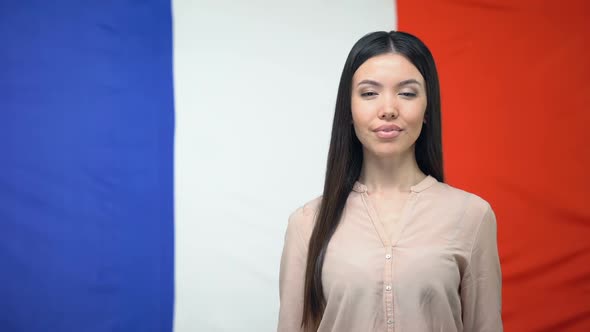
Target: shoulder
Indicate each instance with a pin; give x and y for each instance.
(303, 218)
(474, 214)
(467, 210)
(470, 202)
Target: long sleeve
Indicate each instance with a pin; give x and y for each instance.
(481, 286)
(292, 276)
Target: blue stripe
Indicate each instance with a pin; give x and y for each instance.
(86, 153)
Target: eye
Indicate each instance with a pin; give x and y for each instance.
(408, 94)
(369, 94)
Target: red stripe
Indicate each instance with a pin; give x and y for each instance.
(516, 98)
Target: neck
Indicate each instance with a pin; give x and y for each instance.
(392, 174)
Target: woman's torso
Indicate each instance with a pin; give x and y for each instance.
(409, 281)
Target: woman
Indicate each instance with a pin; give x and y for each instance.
(389, 246)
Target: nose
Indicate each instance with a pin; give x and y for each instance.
(386, 115)
(389, 109)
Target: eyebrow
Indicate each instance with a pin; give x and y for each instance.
(400, 84)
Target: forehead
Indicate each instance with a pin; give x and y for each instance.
(389, 67)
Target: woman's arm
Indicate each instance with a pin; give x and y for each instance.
(481, 286)
(292, 276)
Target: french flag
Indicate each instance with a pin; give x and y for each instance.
(151, 151)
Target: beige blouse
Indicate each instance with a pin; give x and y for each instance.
(439, 272)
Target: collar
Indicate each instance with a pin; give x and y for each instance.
(426, 183)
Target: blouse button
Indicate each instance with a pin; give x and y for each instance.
(388, 288)
(390, 321)
(388, 256)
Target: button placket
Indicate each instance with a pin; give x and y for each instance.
(388, 289)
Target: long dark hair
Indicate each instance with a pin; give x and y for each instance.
(345, 157)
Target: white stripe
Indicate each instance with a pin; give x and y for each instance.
(255, 86)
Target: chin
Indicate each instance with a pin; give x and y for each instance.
(387, 153)
(389, 149)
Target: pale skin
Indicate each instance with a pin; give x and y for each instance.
(388, 90)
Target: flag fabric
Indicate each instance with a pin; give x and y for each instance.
(86, 183)
(515, 89)
(151, 151)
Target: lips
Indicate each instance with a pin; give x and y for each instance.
(388, 131)
(388, 127)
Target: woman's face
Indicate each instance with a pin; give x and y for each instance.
(388, 105)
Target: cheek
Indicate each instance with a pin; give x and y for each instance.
(361, 125)
(358, 132)
(415, 127)
(356, 113)
(361, 110)
(417, 121)
(361, 113)
(361, 133)
(360, 119)
(415, 116)
(418, 130)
